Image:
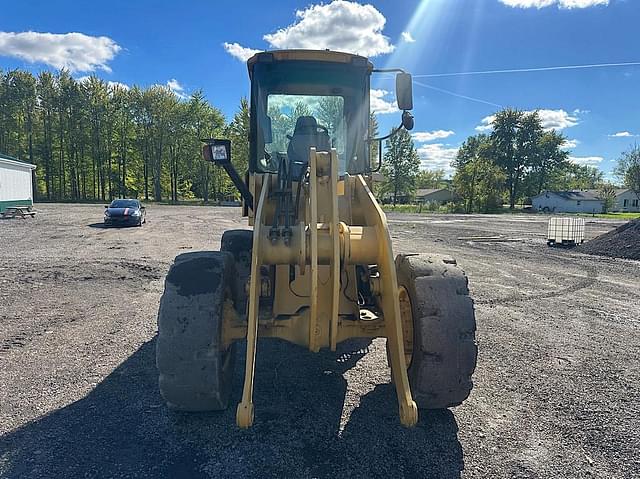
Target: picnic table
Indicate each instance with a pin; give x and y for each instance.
(22, 211)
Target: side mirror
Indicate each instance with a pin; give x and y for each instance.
(407, 120)
(106, 206)
(404, 91)
(217, 151)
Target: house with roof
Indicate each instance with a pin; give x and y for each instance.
(627, 200)
(435, 195)
(574, 201)
(16, 184)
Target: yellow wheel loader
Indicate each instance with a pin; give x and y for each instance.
(318, 266)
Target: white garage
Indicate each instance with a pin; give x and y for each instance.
(574, 201)
(16, 187)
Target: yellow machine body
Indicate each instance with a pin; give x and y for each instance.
(318, 267)
(341, 226)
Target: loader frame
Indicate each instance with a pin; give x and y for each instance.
(323, 244)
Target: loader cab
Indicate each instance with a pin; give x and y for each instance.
(301, 99)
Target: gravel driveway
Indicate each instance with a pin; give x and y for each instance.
(557, 388)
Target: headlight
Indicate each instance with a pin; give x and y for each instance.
(106, 213)
(136, 213)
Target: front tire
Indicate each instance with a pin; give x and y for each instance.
(195, 371)
(240, 244)
(444, 351)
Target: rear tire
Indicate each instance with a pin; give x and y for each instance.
(444, 348)
(195, 372)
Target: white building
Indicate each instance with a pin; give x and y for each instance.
(16, 187)
(627, 201)
(567, 202)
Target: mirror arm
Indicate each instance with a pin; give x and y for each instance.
(380, 140)
(388, 70)
(237, 181)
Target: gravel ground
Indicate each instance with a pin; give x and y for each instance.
(556, 391)
(621, 242)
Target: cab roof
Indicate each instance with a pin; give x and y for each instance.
(308, 55)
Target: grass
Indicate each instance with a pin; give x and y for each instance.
(616, 216)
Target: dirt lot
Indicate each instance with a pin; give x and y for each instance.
(557, 388)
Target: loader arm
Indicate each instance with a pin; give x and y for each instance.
(325, 245)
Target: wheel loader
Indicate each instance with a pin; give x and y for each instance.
(317, 268)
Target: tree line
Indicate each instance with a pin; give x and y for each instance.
(93, 140)
(518, 159)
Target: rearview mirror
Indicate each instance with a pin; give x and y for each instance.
(404, 91)
(217, 151)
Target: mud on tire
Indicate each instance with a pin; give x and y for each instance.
(195, 372)
(444, 348)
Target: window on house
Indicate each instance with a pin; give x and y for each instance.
(634, 203)
(625, 203)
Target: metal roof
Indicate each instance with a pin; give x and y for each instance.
(428, 191)
(10, 160)
(573, 195)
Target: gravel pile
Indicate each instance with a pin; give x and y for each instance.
(622, 242)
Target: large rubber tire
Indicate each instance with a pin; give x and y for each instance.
(444, 347)
(195, 372)
(240, 244)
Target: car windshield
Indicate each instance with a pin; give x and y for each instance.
(124, 204)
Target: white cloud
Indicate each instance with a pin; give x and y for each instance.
(176, 88)
(581, 3)
(570, 143)
(568, 4)
(238, 51)
(621, 134)
(557, 119)
(381, 106)
(586, 160)
(424, 136)
(528, 3)
(486, 124)
(407, 37)
(340, 26)
(434, 156)
(76, 52)
(550, 120)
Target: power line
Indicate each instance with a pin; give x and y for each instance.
(442, 90)
(534, 69)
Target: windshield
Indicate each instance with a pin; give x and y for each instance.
(297, 105)
(285, 111)
(124, 204)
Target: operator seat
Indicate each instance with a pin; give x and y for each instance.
(306, 134)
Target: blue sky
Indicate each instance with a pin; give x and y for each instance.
(199, 44)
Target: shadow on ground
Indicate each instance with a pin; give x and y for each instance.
(122, 429)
